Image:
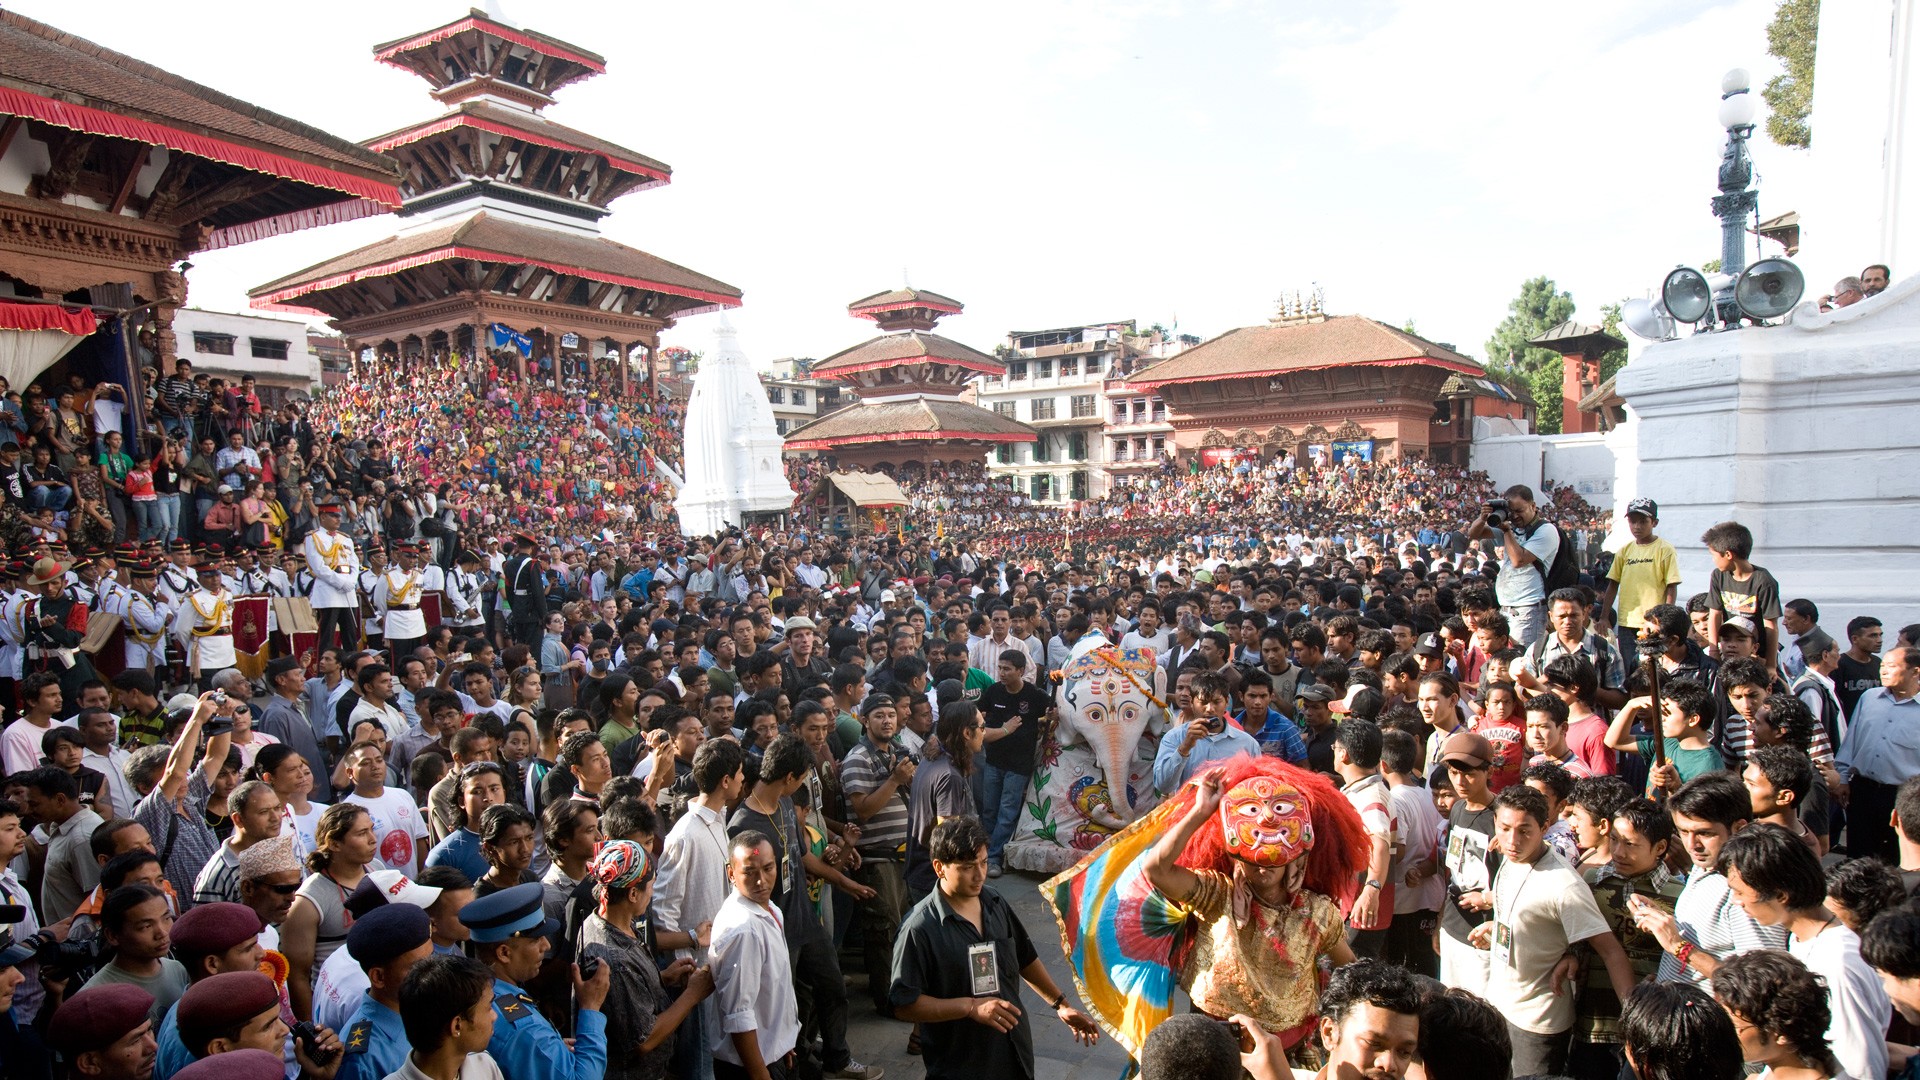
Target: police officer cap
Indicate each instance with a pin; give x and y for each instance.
(236, 1065)
(98, 1017)
(387, 933)
(515, 912)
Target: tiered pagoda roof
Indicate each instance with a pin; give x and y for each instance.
(909, 382)
(508, 205)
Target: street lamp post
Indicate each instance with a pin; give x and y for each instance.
(1736, 199)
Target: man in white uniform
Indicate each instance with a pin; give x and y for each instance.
(207, 619)
(397, 592)
(335, 568)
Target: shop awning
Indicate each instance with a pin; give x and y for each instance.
(868, 489)
(33, 337)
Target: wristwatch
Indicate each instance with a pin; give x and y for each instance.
(1056, 1004)
(1374, 885)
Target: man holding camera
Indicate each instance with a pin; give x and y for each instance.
(1528, 543)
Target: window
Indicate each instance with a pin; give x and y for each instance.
(799, 396)
(1078, 483)
(1159, 411)
(1082, 405)
(1069, 365)
(1042, 488)
(1093, 365)
(1076, 446)
(1043, 408)
(1004, 408)
(782, 426)
(777, 395)
(1119, 412)
(218, 344)
(1159, 446)
(1140, 449)
(1121, 450)
(1017, 369)
(1040, 449)
(264, 348)
(1004, 454)
(1043, 369)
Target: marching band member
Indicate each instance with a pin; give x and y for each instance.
(176, 578)
(334, 568)
(13, 635)
(207, 618)
(465, 604)
(376, 565)
(54, 626)
(146, 617)
(396, 595)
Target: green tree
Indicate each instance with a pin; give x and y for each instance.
(1711, 266)
(1791, 38)
(1409, 328)
(1613, 359)
(1538, 308)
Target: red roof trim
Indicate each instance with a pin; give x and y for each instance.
(294, 221)
(869, 311)
(834, 441)
(279, 296)
(100, 122)
(471, 22)
(448, 123)
(1432, 361)
(928, 358)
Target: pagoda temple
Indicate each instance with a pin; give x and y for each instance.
(500, 246)
(909, 381)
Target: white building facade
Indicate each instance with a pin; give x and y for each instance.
(228, 346)
(1070, 385)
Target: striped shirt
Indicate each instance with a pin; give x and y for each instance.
(866, 769)
(219, 880)
(184, 841)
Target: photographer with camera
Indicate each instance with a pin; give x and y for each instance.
(1209, 737)
(1528, 544)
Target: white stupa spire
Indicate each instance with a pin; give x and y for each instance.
(732, 448)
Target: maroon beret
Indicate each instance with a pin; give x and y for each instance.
(211, 929)
(236, 1065)
(97, 1018)
(222, 1002)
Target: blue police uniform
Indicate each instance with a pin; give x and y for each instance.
(375, 1043)
(524, 1044)
(171, 1055)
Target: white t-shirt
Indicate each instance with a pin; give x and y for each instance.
(1539, 909)
(398, 824)
(1158, 641)
(1420, 824)
(1856, 999)
(337, 990)
(301, 826)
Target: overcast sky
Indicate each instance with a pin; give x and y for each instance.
(1052, 162)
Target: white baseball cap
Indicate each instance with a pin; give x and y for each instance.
(401, 889)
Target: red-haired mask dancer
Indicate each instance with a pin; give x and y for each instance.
(1233, 890)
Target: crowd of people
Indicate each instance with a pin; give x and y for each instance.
(638, 806)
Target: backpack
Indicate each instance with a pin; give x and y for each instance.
(1561, 572)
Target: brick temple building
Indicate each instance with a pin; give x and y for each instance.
(1320, 388)
(501, 248)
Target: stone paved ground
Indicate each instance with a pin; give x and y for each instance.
(1056, 1055)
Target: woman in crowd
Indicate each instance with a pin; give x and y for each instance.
(292, 779)
(344, 845)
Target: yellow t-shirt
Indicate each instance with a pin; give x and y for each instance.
(1643, 572)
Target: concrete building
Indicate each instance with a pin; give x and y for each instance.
(797, 397)
(1069, 384)
(276, 352)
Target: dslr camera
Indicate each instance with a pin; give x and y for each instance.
(1496, 513)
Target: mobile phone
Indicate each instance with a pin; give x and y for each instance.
(1241, 1035)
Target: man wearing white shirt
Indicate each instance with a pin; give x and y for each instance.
(375, 683)
(692, 884)
(810, 575)
(754, 1016)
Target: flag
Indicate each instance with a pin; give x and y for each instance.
(1124, 941)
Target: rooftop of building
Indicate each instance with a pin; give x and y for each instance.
(67, 81)
(1301, 345)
